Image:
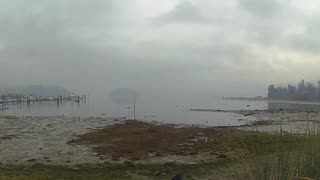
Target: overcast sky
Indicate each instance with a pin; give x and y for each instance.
(233, 47)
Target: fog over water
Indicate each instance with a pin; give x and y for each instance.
(147, 108)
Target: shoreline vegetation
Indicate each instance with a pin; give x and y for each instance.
(131, 149)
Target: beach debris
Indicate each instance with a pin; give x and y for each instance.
(177, 177)
(7, 137)
(169, 163)
(214, 153)
(200, 137)
(134, 158)
(115, 158)
(32, 160)
(248, 114)
(153, 130)
(128, 163)
(222, 156)
(158, 173)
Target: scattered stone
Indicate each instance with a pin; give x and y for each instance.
(106, 162)
(192, 153)
(134, 158)
(153, 130)
(214, 153)
(72, 141)
(151, 155)
(115, 158)
(8, 137)
(32, 160)
(169, 163)
(129, 163)
(222, 156)
(177, 177)
(158, 173)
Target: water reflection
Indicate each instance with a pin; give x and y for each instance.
(293, 106)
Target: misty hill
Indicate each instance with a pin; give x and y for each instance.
(37, 90)
(302, 91)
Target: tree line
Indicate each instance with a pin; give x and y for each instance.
(303, 91)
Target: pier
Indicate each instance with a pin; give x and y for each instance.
(15, 98)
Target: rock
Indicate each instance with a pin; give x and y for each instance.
(192, 153)
(169, 163)
(153, 130)
(222, 156)
(107, 162)
(31, 160)
(129, 163)
(115, 158)
(157, 154)
(72, 141)
(214, 153)
(68, 161)
(134, 158)
(177, 177)
(151, 155)
(158, 173)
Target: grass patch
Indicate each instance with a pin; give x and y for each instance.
(138, 139)
(99, 172)
(281, 157)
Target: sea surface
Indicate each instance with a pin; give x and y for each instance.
(165, 110)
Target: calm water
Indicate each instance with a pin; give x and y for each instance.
(160, 109)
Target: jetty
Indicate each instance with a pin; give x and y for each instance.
(15, 98)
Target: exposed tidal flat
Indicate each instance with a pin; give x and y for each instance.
(106, 148)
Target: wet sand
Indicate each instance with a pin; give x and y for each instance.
(61, 140)
(25, 140)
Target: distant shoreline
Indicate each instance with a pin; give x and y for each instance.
(245, 98)
(271, 100)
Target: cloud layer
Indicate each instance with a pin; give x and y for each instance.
(231, 47)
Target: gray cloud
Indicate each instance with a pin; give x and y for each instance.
(307, 40)
(270, 8)
(184, 12)
(195, 46)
